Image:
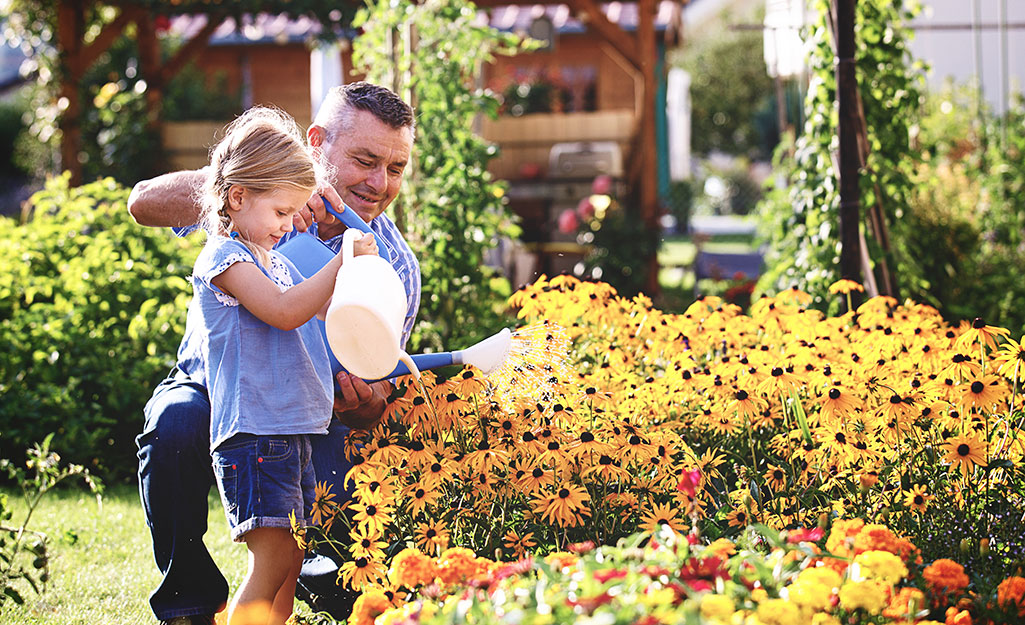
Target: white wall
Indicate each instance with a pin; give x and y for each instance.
(952, 53)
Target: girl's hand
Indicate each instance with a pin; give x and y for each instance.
(366, 245)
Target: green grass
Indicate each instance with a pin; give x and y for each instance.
(101, 559)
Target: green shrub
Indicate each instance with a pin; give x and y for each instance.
(92, 308)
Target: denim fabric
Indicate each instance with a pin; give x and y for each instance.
(262, 479)
(174, 482)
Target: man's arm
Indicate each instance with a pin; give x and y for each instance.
(170, 200)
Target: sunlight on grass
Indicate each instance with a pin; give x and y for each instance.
(101, 565)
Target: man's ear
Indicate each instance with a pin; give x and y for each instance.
(235, 193)
(315, 136)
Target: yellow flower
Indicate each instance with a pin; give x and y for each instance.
(324, 506)
(361, 572)
(869, 595)
(298, 531)
(663, 515)
(917, 498)
(964, 452)
(845, 286)
(982, 333)
(717, 607)
(778, 612)
(1010, 359)
(878, 565)
(566, 506)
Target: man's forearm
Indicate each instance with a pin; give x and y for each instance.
(167, 201)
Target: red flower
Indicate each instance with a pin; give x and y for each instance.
(654, 571)
(607, 574)
(704, 568)
(805, 535)
(583, 547)
(568, 222)
(689, 482)
(589, 604)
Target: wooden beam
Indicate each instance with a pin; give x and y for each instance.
(70, 30)
(192, 47)
(623, 42)
(89, 53)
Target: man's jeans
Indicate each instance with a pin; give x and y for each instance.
(175, 477)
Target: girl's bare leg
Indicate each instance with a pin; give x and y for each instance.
(274, 557)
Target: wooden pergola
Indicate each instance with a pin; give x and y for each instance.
(639, 49)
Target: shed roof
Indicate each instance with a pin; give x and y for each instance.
(281, 29)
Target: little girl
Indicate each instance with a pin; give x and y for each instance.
(266, 365)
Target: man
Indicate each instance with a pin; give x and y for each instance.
(365, 132)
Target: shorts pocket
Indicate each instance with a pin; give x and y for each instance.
(226, 473)
(273, 449)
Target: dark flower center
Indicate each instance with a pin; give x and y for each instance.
(963, 450)
(977, 387)
(834, 393)
(563, 493)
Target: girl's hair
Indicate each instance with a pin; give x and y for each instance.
(262, 150)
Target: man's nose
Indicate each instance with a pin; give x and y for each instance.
(377, 179)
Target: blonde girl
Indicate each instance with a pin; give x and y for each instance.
(265, 364)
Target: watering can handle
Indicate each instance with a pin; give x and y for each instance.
(352, 220)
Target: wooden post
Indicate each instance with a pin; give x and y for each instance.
(847, 96)
(70, 30)
(648, 56)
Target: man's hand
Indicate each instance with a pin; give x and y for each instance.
(358, 404)
(316, 211)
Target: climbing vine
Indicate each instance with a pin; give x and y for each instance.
(454, 210)
(801, 216)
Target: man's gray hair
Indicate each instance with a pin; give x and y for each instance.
(379, 101)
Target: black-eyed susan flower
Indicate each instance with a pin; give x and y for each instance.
(362, 572)
(372, 517)
(838, 402)
(324, 505)
(663, 515)
(982, 393)
(363, 543)
(775, 477)
(1010, 359)
(738, 517)
(918, 498)
(846, 286)
(519, 545)
(981, 333)
(432, 537)
(419, 496)
(439, 472)
(298, 531)
(964, 452)
(566, 507)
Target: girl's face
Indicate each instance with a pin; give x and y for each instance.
(264, 218)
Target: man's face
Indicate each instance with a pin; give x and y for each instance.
(369, 157)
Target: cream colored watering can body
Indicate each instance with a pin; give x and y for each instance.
(364, 321)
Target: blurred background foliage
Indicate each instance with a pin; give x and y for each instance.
(92, 308)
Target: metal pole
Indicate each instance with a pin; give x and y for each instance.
(977, 57)
(1005, 104)
(847, 94)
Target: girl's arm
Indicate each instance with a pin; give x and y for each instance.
(285, 310)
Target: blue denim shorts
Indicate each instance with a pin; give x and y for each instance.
(262, 478)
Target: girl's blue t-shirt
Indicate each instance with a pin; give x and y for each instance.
(261, 380)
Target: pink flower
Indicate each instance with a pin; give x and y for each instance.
(585, 210)
(689, 482)
(568, 222)
(602, 184)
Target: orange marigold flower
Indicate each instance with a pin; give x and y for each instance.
(874, 537)
(411, 568)
(905, 604)
(957, 617)
(842, 534)
(369, 606)
(458, 565)
(1012, 591)
(945, 576)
